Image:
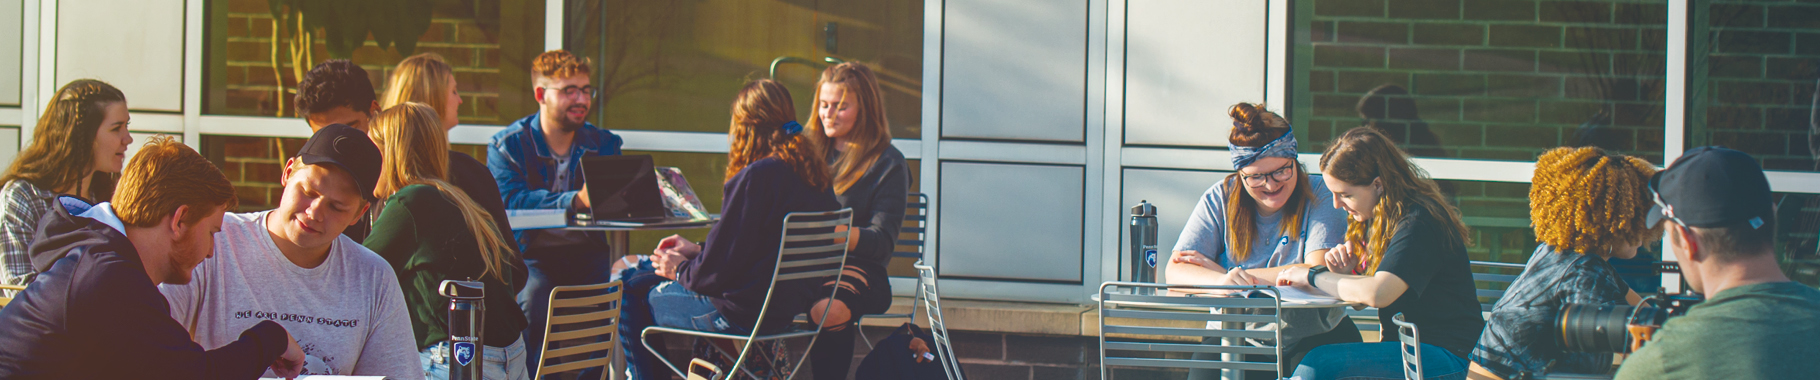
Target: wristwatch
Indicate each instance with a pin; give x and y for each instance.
(1312, 272)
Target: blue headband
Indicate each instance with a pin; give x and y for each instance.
(1284, 146)
(791, 127)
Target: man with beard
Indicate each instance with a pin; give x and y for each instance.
(537, 163)
(95, 311)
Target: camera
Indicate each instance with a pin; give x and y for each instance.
(1613, 328)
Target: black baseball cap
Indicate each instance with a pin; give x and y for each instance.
(1712, 187)
(348, 148)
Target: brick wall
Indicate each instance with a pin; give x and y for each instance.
(488, 50)
(1495, 79)
(1760, 73)
(250, 86)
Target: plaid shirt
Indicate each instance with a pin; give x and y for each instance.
(1519, 339)
(21, 205)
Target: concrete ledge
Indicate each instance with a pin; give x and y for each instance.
(997, 316)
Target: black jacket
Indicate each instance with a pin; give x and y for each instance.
(93, 314)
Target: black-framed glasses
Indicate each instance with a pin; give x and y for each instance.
(573, 91)
(1279, 175)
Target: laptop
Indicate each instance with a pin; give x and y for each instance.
(624, 191)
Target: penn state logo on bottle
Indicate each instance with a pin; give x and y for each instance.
(464, 353)
(1150, 257)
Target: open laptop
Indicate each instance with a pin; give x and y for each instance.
(623, 190)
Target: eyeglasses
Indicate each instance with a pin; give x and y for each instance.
(1279, 175)
(572, 91)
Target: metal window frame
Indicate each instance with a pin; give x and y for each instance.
(1103, 156)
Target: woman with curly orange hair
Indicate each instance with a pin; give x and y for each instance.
(1587, 207)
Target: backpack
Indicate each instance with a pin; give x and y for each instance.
(892, 359)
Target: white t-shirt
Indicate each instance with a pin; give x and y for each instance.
(348, 314)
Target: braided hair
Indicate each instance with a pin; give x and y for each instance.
(63, 143)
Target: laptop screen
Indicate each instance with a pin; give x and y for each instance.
(622, 187)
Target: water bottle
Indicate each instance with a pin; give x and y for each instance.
(1143, 243)
(467, 318)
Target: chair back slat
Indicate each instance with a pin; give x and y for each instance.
(1189, 363)
(1199, 332)
(1147, 324)
(1410, 345)
(582, 329)
(912, 233)
(1189, 347)
(1198, 317)
(932, 302)
(815, 237)
(1202, 302)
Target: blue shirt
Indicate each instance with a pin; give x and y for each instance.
(1323, 227)
(527, 171)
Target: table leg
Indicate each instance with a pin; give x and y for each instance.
(620, 246)
(1232, 374)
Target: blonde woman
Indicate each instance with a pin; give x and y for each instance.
(431, 231)
(427, 79)
(1409, 246)
(871, 177)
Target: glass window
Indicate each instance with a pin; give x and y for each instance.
(254, 60)
(1752, 71)
(676, 66)
(1798, 236)
(1501, 80)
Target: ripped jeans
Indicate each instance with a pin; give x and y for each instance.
(667, 304)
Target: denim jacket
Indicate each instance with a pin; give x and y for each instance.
(525, 169)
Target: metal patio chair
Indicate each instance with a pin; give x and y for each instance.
(1157, 321)
(806, 252)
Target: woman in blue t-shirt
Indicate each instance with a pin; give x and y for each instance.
(1269, 214)
(1587, 207)
(1408, 247)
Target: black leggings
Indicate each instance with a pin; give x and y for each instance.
(866, 290)
(1345, 332)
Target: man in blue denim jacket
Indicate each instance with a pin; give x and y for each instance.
(537, 163)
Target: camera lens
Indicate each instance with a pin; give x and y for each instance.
(1595, 328)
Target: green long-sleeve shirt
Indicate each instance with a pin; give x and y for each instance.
(422, 234)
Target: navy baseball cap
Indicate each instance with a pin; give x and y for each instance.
(1711, 187)
(349, 149)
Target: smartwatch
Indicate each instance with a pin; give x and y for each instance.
(1314, 271)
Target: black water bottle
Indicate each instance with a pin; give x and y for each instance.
(1143, 243)
(467, 318)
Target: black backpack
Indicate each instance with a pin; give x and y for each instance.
(892, 359)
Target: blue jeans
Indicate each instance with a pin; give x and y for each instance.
(670, 305)
(635, 315)
(498, 363)
(549, 268)
(1376, 361)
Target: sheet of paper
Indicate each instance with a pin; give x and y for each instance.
(528, 219)
(1294, 295)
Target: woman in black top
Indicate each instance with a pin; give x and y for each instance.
(1410, 247)
(870, 177)
(719, 285)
